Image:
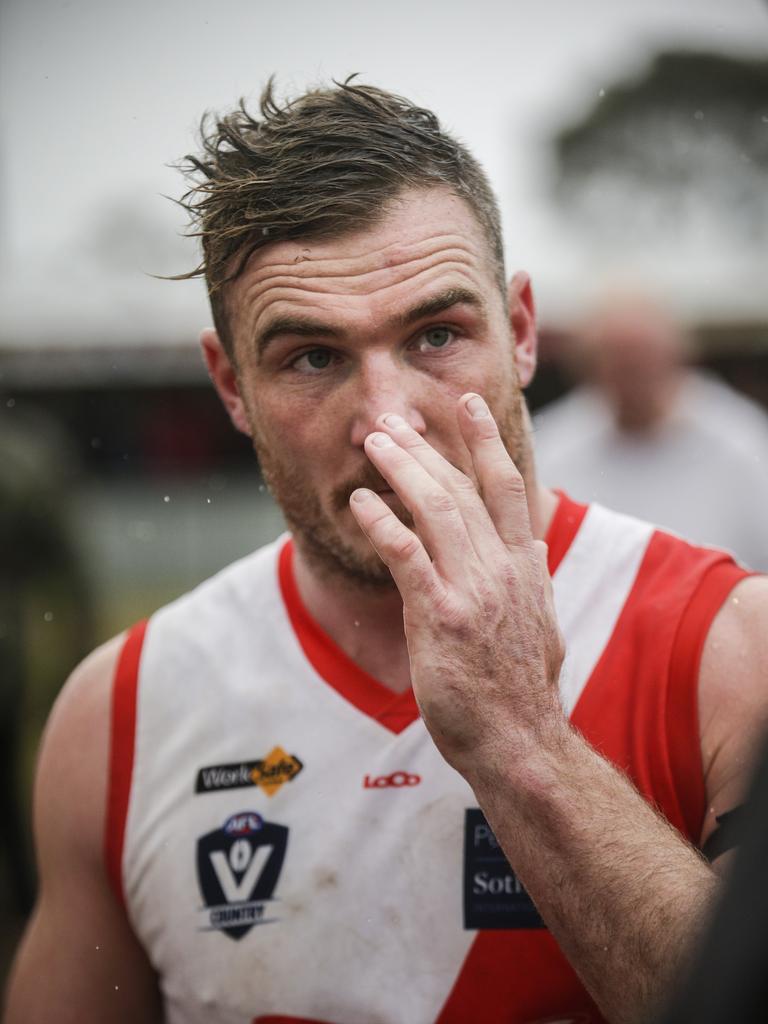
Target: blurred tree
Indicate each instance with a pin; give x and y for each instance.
(680, 153)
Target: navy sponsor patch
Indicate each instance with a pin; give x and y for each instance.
(269, 773)
(494, 897)
(238, 867)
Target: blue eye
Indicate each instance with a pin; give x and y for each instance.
(314, 361)
(434, 338)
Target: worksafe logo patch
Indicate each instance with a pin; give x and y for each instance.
(238, 868)
(269, 773)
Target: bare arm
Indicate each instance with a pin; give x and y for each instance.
(621, 891)
(79, 960)
(733, 698)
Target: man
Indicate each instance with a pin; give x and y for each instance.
(648, 435)
(284, 841)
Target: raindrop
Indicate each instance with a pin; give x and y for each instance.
(699, 115)
(764, 118)
(12, 401)
(48, 616)
(208, 500)
(95, 442)
(357, 623)
(601, 93)
(166, 499)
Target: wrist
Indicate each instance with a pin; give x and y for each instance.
(522, 760)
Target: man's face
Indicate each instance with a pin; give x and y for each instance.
(405, 318)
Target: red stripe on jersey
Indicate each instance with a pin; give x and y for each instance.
(394, 711)
(122, 738)
(649, 670)
(509, 976)
(567, 519)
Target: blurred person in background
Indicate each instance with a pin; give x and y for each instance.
(349, 778)
(648, 435)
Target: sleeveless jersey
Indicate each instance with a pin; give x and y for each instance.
(290, 846)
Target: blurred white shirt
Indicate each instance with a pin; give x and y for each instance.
(702, 474)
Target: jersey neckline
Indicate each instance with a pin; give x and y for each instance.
(393, 711)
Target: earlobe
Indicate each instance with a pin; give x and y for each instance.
(224, 378)
(522, 316)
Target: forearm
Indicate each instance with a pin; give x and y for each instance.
(621, 891)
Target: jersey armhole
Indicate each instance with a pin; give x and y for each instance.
(121, 750)
(682, 717)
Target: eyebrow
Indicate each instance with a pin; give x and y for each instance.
(439, 303)
(304, 327)
(308, 328)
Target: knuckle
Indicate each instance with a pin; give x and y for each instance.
(509, 574)
(486, 429)
(403, 544)
(462, 485)
(439, 502)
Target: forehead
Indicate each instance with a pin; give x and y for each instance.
(427, 239)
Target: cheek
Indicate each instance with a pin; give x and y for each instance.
(298, 437)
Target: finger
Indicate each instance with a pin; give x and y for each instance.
(436, 515)
(500, 481)
(397, 546)
(480, 528)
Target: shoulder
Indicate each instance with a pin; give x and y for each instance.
(72, 775)
(733, 697)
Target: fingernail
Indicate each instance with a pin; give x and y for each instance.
(476, 407)
(380, 440)
(361, 494)
(394, 421)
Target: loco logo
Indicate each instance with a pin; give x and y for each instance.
(238, 867)
(396, 779)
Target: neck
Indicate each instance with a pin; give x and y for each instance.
(368, 625)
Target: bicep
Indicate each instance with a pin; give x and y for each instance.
(733, 700)
(79, 959)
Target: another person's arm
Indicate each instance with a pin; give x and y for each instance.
(620, 889)
(79, 960)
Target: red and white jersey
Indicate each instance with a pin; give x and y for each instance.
(290, 846)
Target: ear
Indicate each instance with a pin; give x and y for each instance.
(224, 378)
(522, 316)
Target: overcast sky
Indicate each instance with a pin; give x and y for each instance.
(97, 97)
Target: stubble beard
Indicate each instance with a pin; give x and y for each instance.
(315, 528)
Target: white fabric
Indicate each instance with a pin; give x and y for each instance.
(366, 921)
(703, 475)
(591, 588)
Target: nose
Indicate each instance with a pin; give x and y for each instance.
(382, 385)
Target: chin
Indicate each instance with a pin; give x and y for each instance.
(349, 558)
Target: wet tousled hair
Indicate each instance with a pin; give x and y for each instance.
(323, 165)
